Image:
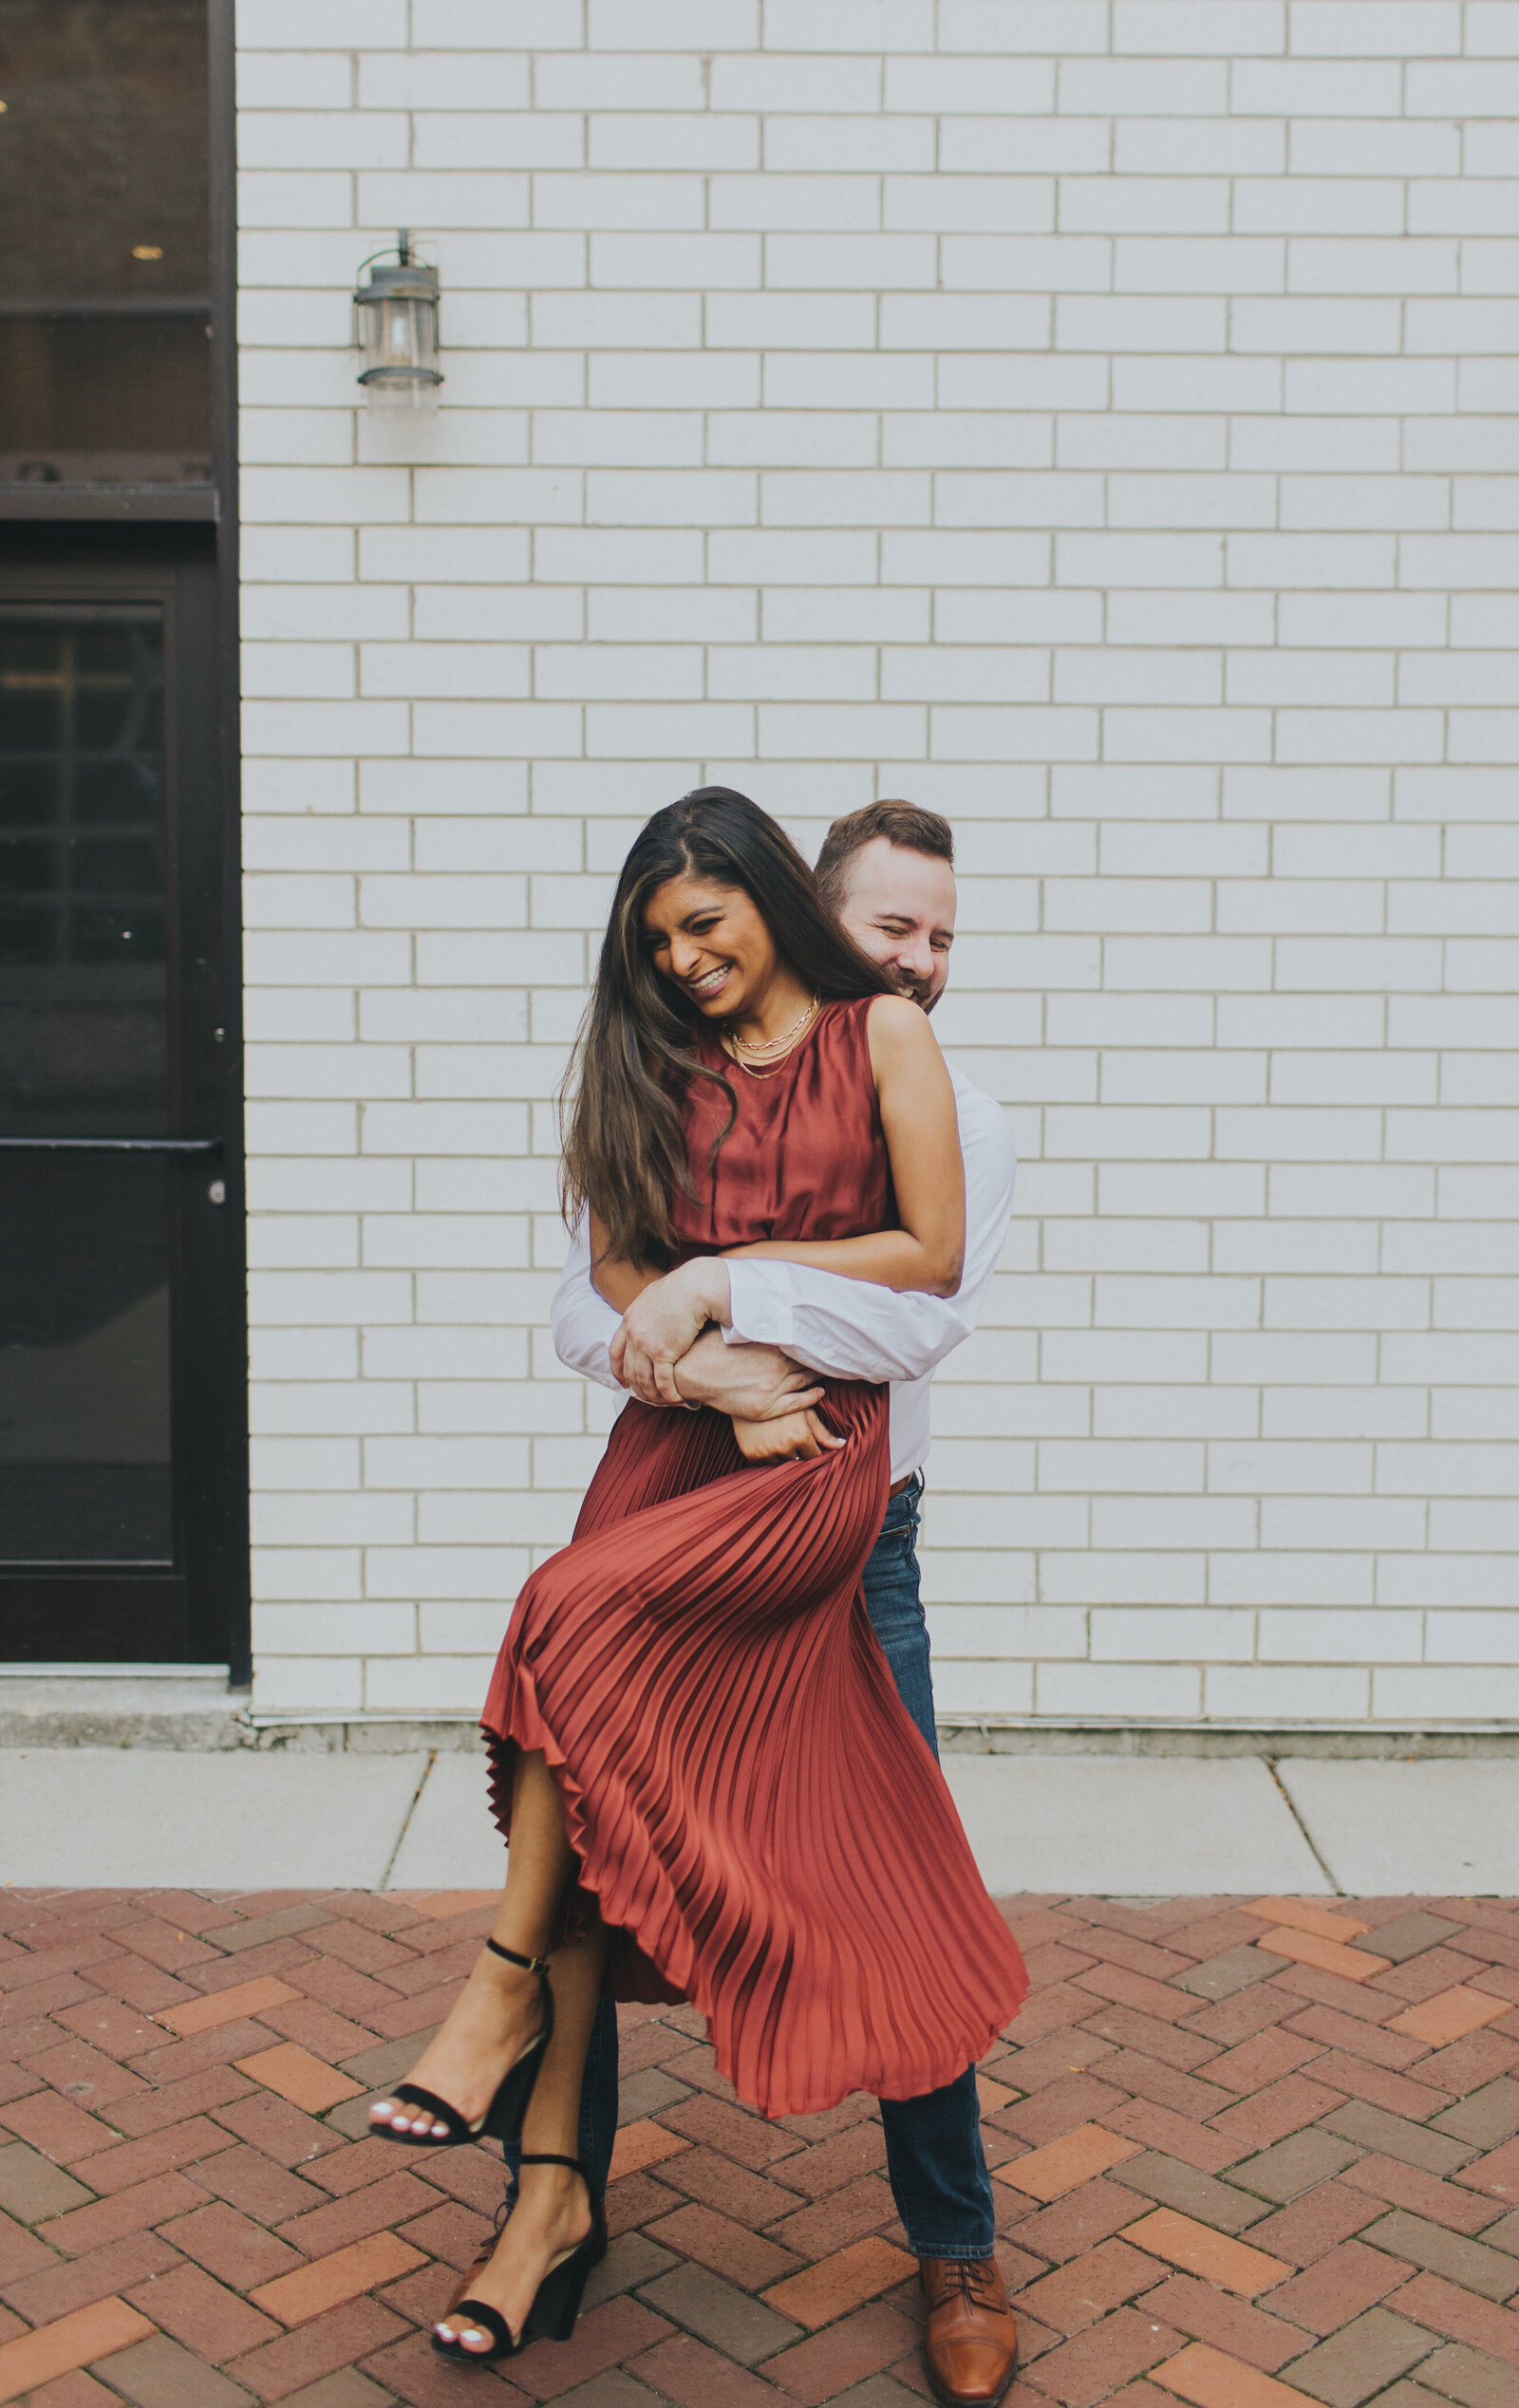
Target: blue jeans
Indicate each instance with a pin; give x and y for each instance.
(933, 2154)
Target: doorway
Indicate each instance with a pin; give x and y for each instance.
(124, 1500)
(123, 1453)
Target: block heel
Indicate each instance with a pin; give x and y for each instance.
(556, 2310)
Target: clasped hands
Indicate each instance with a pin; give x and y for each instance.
(669, 1351)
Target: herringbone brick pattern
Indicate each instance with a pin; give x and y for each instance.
(1245, 2155)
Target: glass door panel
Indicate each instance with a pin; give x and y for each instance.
(83, 871)
(84, 1381)
(85, 1426)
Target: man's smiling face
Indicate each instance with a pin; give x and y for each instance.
(899, 907)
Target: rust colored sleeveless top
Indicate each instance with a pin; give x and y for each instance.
(806, 1155)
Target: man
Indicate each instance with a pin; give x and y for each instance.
(888, 873)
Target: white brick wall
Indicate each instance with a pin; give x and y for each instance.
(1095, 422)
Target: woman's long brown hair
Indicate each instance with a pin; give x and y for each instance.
(625, 1153)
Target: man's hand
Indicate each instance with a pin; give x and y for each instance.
(792, 1438)
(753, 1382)
(664, 1323)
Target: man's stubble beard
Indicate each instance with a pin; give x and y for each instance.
(914, 991)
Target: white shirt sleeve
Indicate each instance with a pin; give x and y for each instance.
(858, 1330)
(584, 1324)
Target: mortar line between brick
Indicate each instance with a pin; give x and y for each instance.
(406, 1819)
(1312, 1844)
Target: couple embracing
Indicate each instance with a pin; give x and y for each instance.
(711, 1723)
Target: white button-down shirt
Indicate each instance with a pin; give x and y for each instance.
(851, 1328)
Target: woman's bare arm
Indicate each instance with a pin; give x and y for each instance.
(922, 1140)
(617, 1281)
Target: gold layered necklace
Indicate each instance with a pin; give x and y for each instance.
(765, 1060)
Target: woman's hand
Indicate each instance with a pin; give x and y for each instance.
(790, 1438)
(662, 1323)
(756, 1383)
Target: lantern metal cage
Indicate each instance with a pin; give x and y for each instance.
(396, 328)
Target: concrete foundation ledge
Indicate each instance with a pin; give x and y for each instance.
(368, 1735)
(131, 1709)
(199, 1713)
(1375, 1740)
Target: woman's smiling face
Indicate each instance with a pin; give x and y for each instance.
(711, 942)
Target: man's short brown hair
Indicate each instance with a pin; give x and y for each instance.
(906, 824)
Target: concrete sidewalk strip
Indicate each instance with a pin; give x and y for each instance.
(451, 1842)
(1116, 1826)
(1130, 1826)
(86, 1817)
(1445, 1826)
(1120, 1827)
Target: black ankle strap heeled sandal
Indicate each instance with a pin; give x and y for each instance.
(502, 2119)
(556, 2302)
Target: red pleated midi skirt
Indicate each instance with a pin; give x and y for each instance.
(756, 1816)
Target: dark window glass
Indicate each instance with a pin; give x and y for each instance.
(84, 1426)
(83, 871)
(104, 368)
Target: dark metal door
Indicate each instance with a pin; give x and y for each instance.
(122, 1353)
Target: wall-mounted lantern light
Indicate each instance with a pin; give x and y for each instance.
(396, 327)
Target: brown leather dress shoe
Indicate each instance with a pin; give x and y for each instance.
(972, 2340)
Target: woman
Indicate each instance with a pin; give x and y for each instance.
(712, 1789)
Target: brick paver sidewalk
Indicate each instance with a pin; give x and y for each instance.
(1245, 2155)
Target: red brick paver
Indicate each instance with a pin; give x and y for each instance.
(1247, 2154)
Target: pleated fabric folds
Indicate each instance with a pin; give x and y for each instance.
(753, 1809)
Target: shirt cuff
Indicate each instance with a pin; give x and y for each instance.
(759, 1315)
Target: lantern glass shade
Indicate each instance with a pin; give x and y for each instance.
(396, 310)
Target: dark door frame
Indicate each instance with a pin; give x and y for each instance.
(162, 542)
(187, 1611)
